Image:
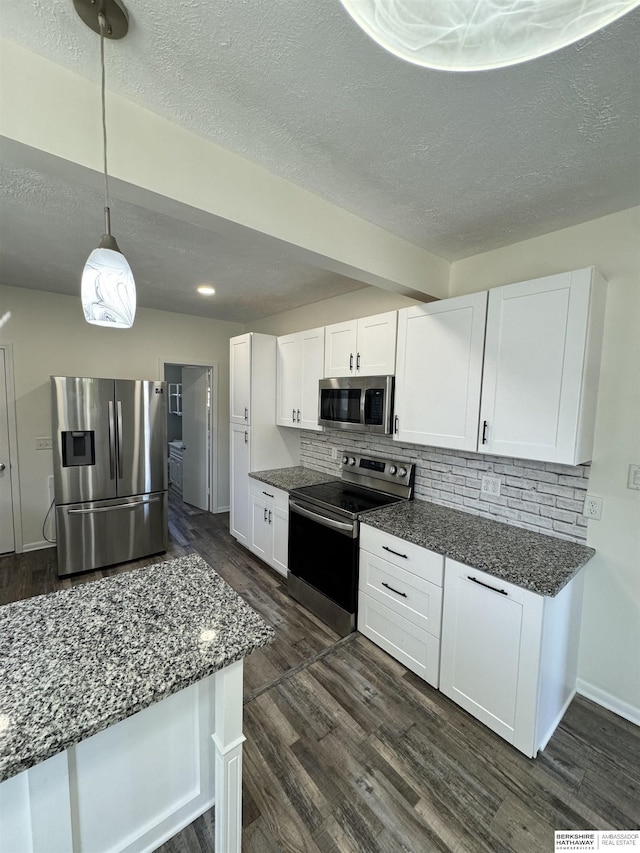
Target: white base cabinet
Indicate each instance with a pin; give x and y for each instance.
(134, 785)
(400, 600)
(176, 456)
(269, 513)
(509, 656)
(257, 443)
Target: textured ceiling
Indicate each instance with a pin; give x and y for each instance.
(455, 163)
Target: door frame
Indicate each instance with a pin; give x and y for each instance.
(14, 473)
(213, 419)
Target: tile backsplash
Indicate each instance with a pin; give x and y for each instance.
(540, 496)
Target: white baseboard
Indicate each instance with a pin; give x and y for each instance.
(38, 546)
(223, 509)
(608, 701)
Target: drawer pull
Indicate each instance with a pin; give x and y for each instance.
(395, 553)
(267, 494)
(403, 594)
(487, 586)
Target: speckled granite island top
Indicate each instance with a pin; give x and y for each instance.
(291, 478)
(74, 662)
(536, 562)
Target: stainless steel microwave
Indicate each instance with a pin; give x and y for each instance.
(360, 403)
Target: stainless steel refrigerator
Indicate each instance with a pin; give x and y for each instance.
(109, 469)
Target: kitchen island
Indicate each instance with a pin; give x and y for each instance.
(121, 710)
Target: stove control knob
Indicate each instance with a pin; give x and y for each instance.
(402, 472)
(352, 461)
(345, 459)
(392, 469)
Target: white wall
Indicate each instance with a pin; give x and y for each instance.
(50, 337)
(348, 306)
(610, 641)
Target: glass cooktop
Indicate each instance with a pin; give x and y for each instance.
(344, 497)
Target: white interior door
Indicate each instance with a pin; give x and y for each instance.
(196, 400)
(7, 542)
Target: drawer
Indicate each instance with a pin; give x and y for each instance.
(278, 497)
(399, 552)
(408, 595)
(418, 650)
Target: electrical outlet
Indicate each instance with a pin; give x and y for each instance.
(43, 444)
(633, 482)
(490, 486)
(50, 488)
(592, 507)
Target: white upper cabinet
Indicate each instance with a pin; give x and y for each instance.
(240, 379)
(439, 372)
(300, 367)
(365, 347)
(541, 369)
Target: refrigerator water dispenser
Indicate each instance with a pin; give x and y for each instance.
(78, 448)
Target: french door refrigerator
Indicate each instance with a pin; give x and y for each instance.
(109, 469)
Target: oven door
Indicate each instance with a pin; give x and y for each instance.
(323, 563)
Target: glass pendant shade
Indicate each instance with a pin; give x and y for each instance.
(108, 290)
(475, 35)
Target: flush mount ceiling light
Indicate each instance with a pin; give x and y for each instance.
(475, 35)
(206, 289)
(108, 287)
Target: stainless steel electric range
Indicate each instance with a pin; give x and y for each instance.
(324, 532)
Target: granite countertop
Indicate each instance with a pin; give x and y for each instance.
(74, 662)
(291, 478)
(536, 562)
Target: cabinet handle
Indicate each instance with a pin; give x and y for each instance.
(246, 437)
(351, 361)
(270, 522)
(357, 361)
(396, 424)
(298, 415)
(484, 431)
(267, 494)
(403, 594)
(391, 551)
(293, 415)
(246, 413)
(488, 586)
(265, 513)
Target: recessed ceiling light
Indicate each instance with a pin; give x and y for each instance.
(206, 290)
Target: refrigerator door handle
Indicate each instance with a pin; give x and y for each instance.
(130, 505)
(112, 442)
(119, 405)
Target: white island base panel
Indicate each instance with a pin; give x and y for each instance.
(136, 784)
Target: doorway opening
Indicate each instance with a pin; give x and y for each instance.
(191, 433)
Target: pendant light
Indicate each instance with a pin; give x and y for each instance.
(108, 288)
(476, 35)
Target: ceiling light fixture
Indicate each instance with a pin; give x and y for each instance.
(476, 35)
(206, 290)
(108, 287)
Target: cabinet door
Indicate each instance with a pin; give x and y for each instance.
(490, 647)
(312, 372)
(240, 379)
(240, 456)
(534, 358)
(439, 372)
(289, 380)
(280, 532)
(340, 349)
(376, 345)
(261, 534)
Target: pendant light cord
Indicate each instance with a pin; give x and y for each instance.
(107, 216)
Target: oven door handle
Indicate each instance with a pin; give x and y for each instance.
(343, 527)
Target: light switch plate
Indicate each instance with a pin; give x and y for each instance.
(633, 481)
(43, 444)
